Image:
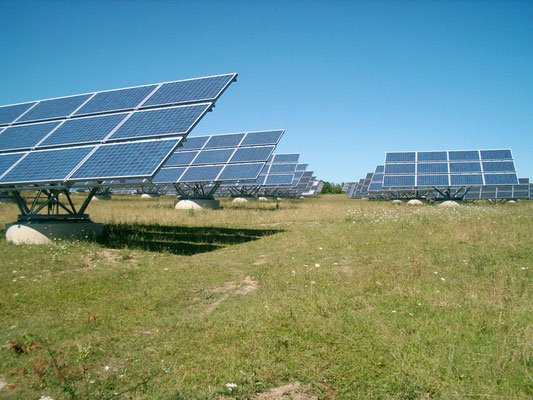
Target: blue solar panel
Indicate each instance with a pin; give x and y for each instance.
(194, 143)
(47, 165)
(192, 90)
(9, 114)
(498, 166)
(279, 179)
(201, 174)
(524, 181)
(25, 136)
(398, 180)
(400, 157)
(160, 122)
(301, 167)
(181, 158)
(114, 100)
(83, 130)
(465, 167)
(282, 168)
(240, 171)
(433, 180)
(380, 169)
(7, 160)
(432, 156)
(168, 175)
(252, 154)
(231, 140)
(496, 155)
(374, 187)
(265, 137)
(125, 159)
(467, 179)
(463, 155)
(432, 168)
(286, 158)
(213, 156)
(501, 179)
(55, 108)
(400, 169)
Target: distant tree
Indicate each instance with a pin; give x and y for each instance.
(331, 188)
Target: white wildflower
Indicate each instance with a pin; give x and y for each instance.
(231, 386)
(293, 272)
(393, 311)
(317, 265)
(106, 367)
(442, 279)
(435, 272)
(313, 282)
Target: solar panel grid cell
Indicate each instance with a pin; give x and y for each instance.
(464, 155)
(460, 167)
(121, 99)
(424, 156)
(436, 168)
(9, 114)
(496, 155)
(286, 158)
(83, 130)
(180, 158)
(201, 174)
(466, 179)
(498, 166)
(47, 165)
(500, 179)
(7, 161)
(400, 169)
(213, 156)
(264, 137)
(160, 122)
(25, 136)
(282, 168)
(189, 90)
(55, 108)
(194, 143)
(168, 175)
(240, 171)
(400, 157)
(125, 159)
(433, 180)
(252, 154)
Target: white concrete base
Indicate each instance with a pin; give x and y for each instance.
(196, 204)
(46, 232)
(397, 202)
(102, 196)
(415, 202)
(449, 203)
(149, 195)
(239, 200)
(512, 202)
(262, 198)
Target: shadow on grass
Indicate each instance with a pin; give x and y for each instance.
(177, 239)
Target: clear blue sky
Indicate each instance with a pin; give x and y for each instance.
(347, 80)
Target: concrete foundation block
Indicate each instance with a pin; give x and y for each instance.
(47, 232)
(197, 204)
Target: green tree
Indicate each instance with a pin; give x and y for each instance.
(331, 188)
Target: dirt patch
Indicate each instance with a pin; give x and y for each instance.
(293, 391)
(229, 289)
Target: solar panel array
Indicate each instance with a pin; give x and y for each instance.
(114, 134)
(426, 169)
(216, 158)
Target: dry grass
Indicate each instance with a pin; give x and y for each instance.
(353, 299)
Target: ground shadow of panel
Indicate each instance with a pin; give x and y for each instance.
(177, 239)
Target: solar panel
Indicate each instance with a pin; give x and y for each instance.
(7, 160)
(301, 167)
(128, 159)
(181, 158)
(82, 130)
(25, 136)
(194, 143)
(168, 175)
(234, 172)
(201, 174)
(54, 108)
(46, 165)
(116, 100)
(161, 122)
(191, 90)
(282, 168)
(252, 154)
(262, 138)
(286, 158)
(282, 179)
(213, 156)
(9, 114)
(448, 169)
(231, 140)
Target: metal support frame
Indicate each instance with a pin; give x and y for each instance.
(243, 191)
(196, 190)
(451, 193)
(51, 206)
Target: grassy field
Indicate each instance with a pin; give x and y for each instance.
(310, 299)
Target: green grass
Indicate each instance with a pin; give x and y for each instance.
(355, 299)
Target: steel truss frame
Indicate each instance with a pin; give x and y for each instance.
(197, 190)
(49, 209)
